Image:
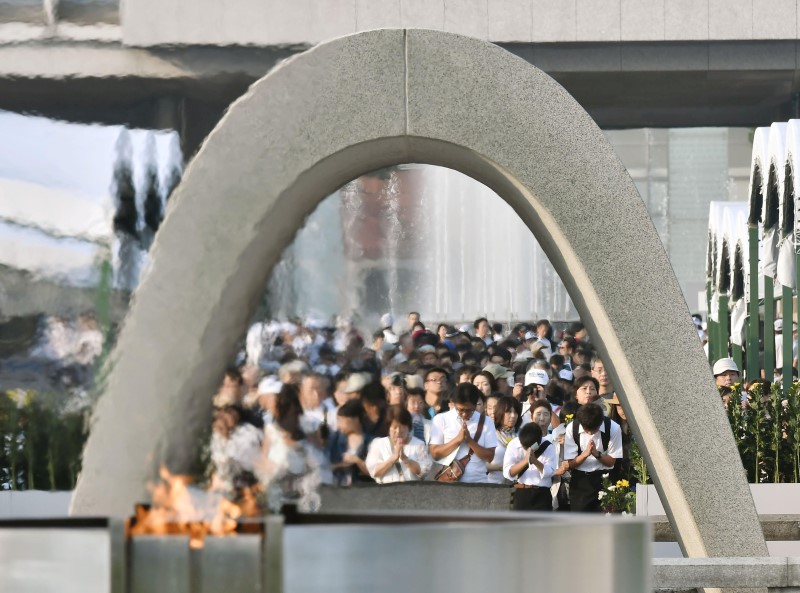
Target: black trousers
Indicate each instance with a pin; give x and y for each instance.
(583, 490)
(532, 499)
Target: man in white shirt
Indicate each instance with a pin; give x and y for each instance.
(453, 435)
(483, 330)
(592, 444)
(535, 382)
(318, 409)
(531, 461)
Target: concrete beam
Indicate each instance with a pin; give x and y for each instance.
(733, 572)
(621, 85)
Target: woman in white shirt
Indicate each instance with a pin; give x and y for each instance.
(398, 457)
(506, 420)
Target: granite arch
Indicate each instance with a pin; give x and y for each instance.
(386, 97)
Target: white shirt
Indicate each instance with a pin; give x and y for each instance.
(496, 477)
(591, 464)
(312, 419)
(447, 425)
(531, 476)
(381, 449)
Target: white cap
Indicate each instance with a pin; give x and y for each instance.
(724, 365)
(387, 320)
(536, 377)
(498, 371)
(356, 382)
(778, 325)
(426, 348)
(270, 384)
(530, 336)
(566, 374)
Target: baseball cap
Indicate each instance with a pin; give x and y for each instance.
(536, 377)
(566, 374)
(357, 382)
(498, 371)
(724, 365)
(269, 384)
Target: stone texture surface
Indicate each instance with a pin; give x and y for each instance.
(676, 24)
(793, 577)
(377, 14)
(742, 573)
(524, 136)
(312, 124)
(270, 22)
(730, 19)
(597, 20)
(642, 20)
(510, 20)
(310, 21)
(466, 17)
(423, 14)
(554, 20)
(774, 19)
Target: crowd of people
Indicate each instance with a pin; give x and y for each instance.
(527, 406)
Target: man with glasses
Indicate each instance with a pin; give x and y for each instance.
(435, 392)
(464, 434)
(566, 349)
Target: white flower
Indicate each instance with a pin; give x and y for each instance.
(605, 476)
(612, 488)
(601, 495)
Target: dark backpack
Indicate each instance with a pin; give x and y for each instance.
(605, 435)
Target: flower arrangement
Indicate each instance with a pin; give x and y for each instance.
(40, 441)
(766, 427)
(617, 497)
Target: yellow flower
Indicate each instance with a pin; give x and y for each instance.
(622, 483)
(568, 418)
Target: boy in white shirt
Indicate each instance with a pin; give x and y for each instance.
(531, 461)
(592, 444)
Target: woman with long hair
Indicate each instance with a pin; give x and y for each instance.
(506, 421)
(485, 382)
(291, 467)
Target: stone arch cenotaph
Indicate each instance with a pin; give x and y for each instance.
(379, 98)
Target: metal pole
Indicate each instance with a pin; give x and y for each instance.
(736, 353)
(723, 330)
(710, 335)
(753, 368)
(769, 329)
(787, 338)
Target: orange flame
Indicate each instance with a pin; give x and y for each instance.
(174, 512)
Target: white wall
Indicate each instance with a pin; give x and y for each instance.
(277, 22)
